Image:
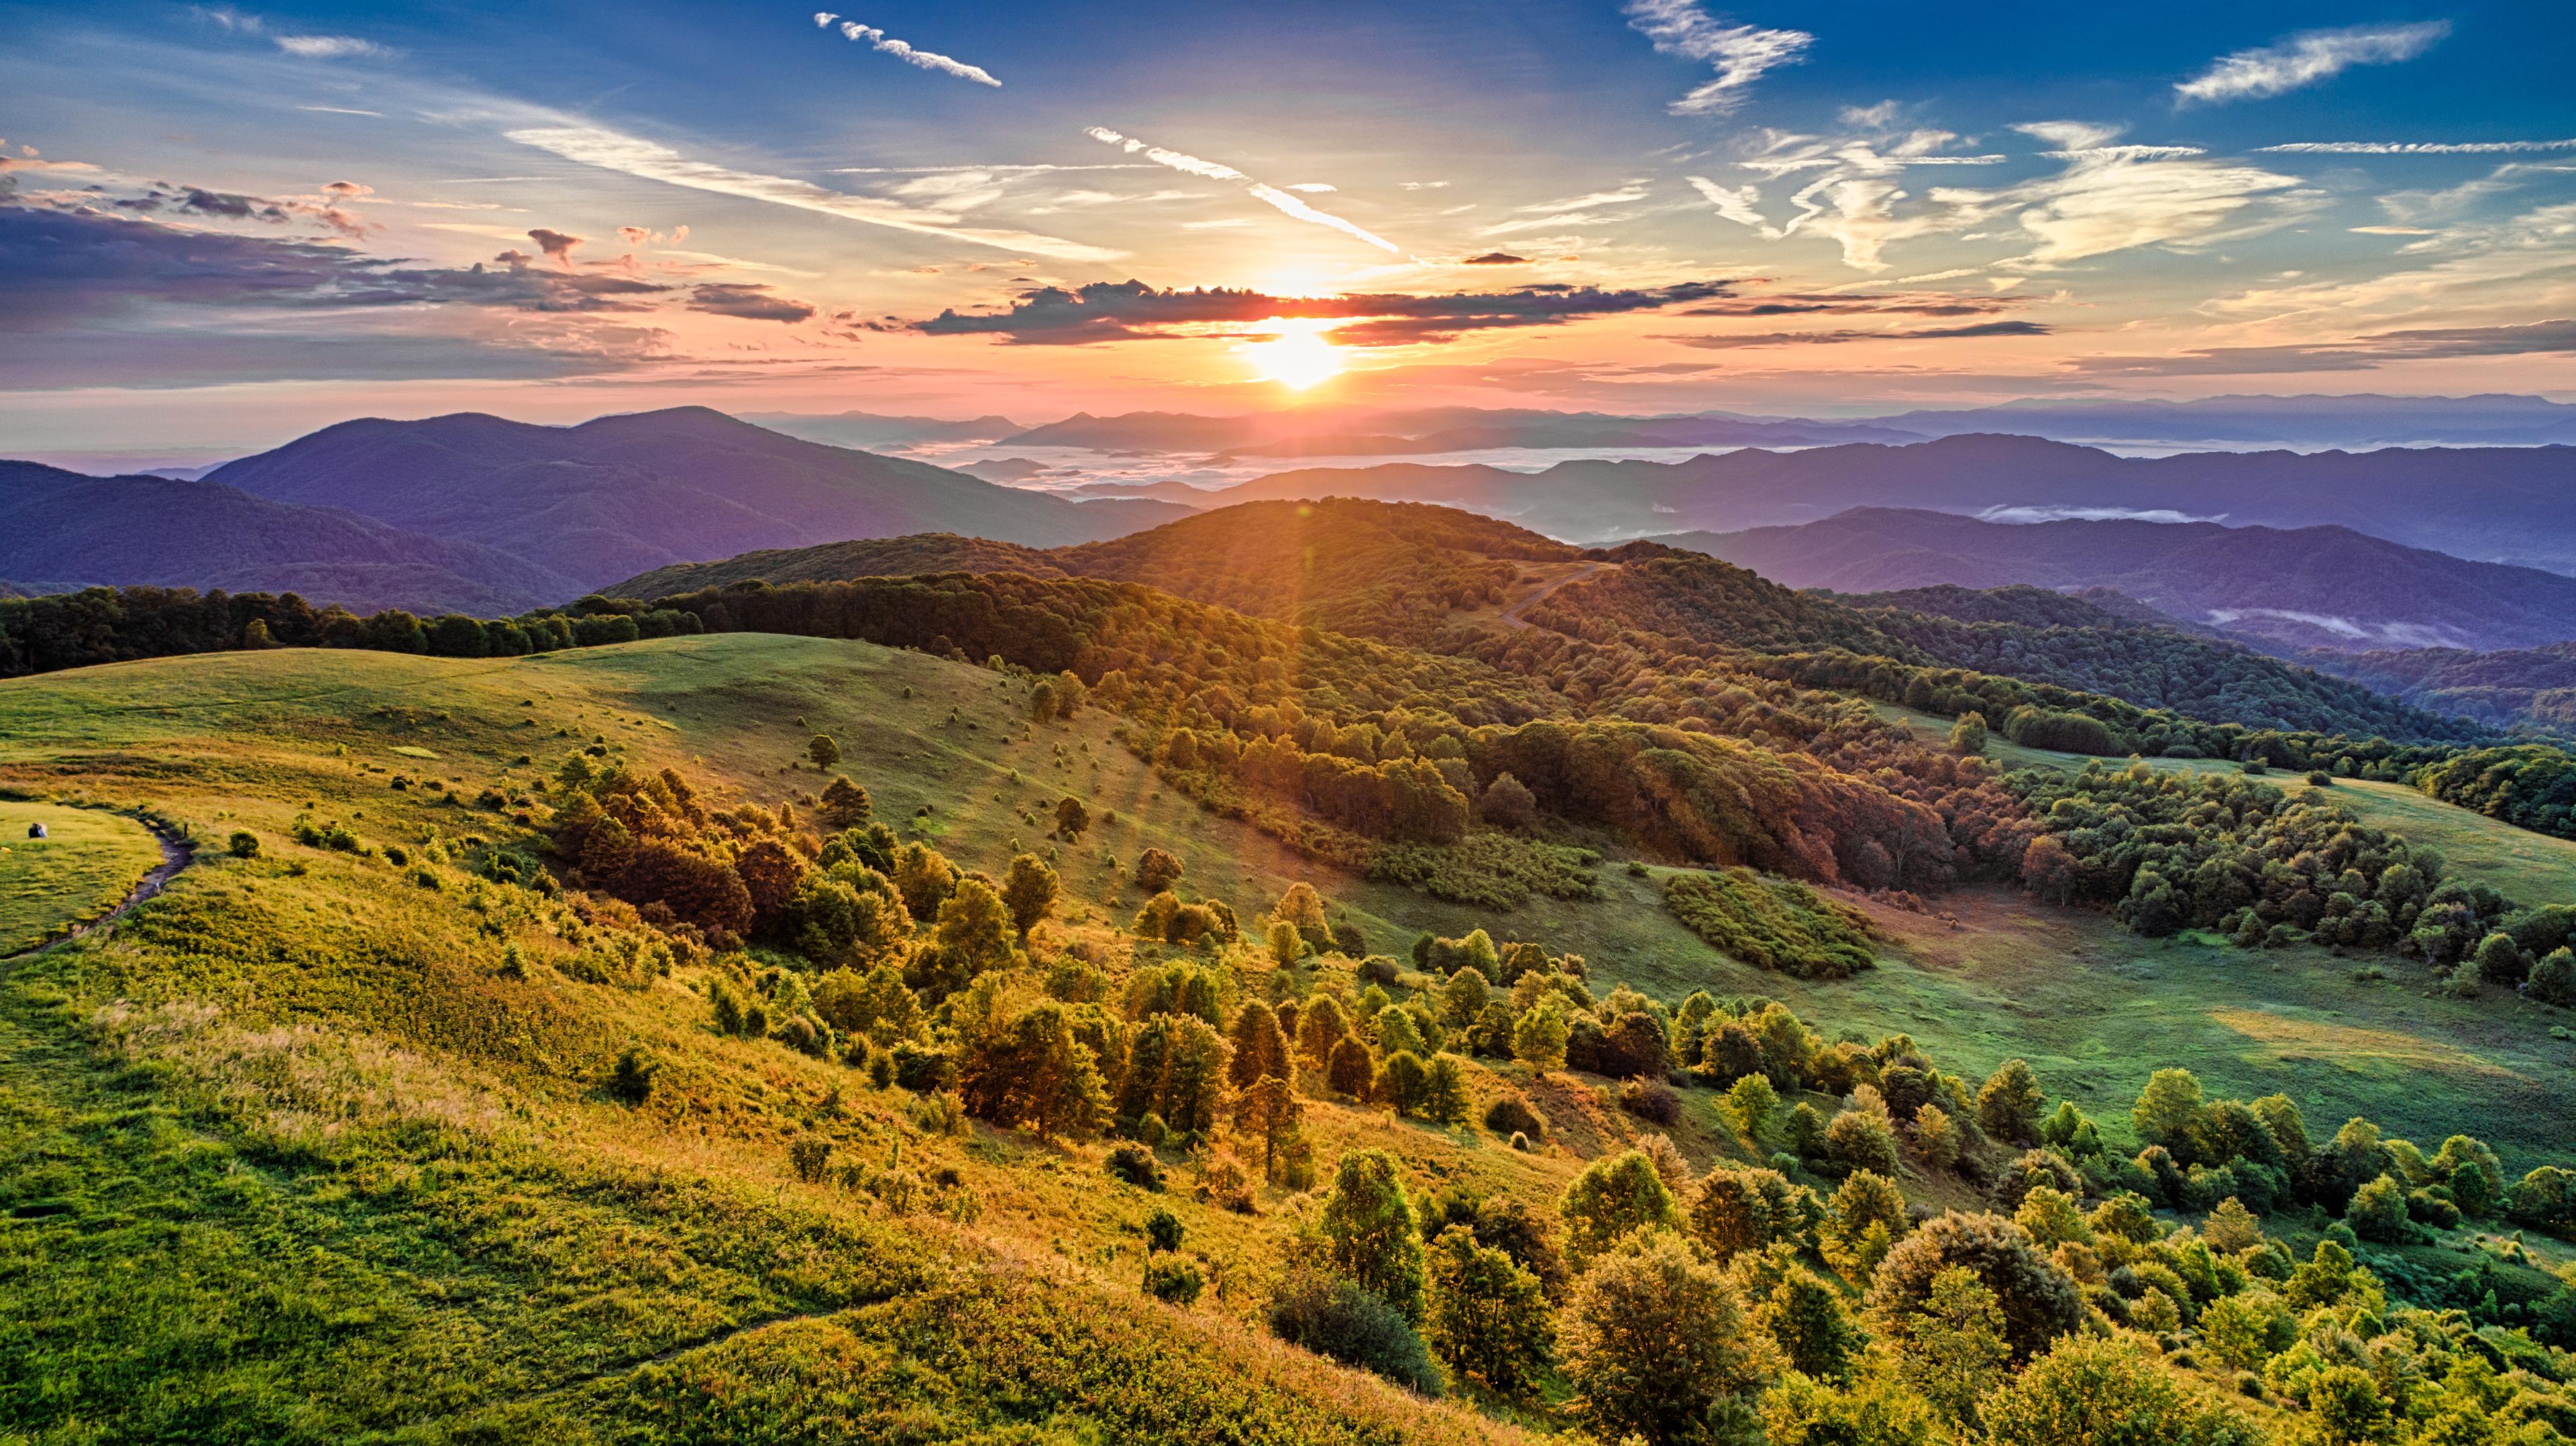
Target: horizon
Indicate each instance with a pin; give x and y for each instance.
(290, 217)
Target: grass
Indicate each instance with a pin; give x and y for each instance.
(81, 869)
(288, 1156)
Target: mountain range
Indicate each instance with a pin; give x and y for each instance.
(477, 514)
(2325, 586)
(2505, 504)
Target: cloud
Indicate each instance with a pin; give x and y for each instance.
(330, 47)
(342, 110)
(1311, 187)
(751, 301)
(556, 245)
(2302, 60)
(1838, 303)
(2416, 148)
(1735, 203)
(610, 150)
(1837, 338)
(2539, 338)
(1496, 258)
(1219, 171)
(1571, 211)
(63, 266)
(1739, 53)
(2058, 512)
(885, 44)
(1132, 311)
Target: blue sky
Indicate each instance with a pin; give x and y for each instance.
(1650, 206)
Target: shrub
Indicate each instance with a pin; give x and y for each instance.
(1774, 924)
(1341, 1320)
(1512, 1115)
(2378, 1212)
(244, 844)
(1861, 1140)
(1370, 1233)
(1651, 1100)
(1175, 1280)
(1162, 1231)
(1613, 1198)
(1157, 871)
(631, 1081)
(811, 1155)
(1135, 1165)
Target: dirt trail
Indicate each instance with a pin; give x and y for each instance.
(176, 854)
(1513, 616)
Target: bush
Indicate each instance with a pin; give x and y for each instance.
(1651, 1100)
(1162, 1231)
(1338, 1319)
(1174, 1280)
(1773, 924)
(1512, 1115)
(1656, 1340)
(2039, 1300)
(1135, 1165)
(2106, 1392)
(632, 1079)
(244, 844)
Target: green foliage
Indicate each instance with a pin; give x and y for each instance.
(1370, 1234)
(1340, 1319)
(1174, 1280)
(1488, 1317)
(2531, 785)
(2038, 1299)
(1611, 1199)
(1657, 1342)
(1770, 923)
(2104, 1393)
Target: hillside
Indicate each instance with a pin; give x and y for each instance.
(2505, 504)
(2536, 686)
(2310, 586)
(367, 1077)
(65, 531)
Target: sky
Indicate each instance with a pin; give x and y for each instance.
(221, 227)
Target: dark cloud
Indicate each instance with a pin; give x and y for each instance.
(1832, 338)
(225, 204)
(2358, 354)
(1496, 258)
(750, 301)
(555, 243)
(1929, 303)
(1132, 311)
(58, 266)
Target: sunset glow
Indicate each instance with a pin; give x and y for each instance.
(1298, 358)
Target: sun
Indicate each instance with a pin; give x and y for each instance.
(1297, 358)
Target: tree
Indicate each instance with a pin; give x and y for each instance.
(1952, 1347)
(845, 804)
(1405, 1083)
(2105, 1393)
(1538, 1038)
(1303, 907)
(971, 935)
(1863, 1222)
(1508, 803)
(823, 750)
(876, 1005)
(1444, 1092)
(771, 872)
(1071, 818)
(1157, 870)
(1260, 1047)
(2008, 1107)
(1031, 1071)
(2167, 1108)
(1176, 1068)
(2378, 1212)
(1751, 1100)
(1873, 1410)
(1370, 1234)
(1861, 1140)
(2038, 1299)
(1488, 1317)
(1731, 1212)
(1029, 893)
(1268, 1110)
(1655, 1342)
(1806, 1318)
(1612, 1198)
(923, 879)
(1351, 1071)
(1320, 1026)
(1937, 1136)
(1464, 996)
(1286, 945)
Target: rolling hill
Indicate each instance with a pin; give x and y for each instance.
(2310, 586)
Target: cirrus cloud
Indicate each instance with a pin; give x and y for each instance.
(1111, 311)
(1739, 53)
(2303, 60)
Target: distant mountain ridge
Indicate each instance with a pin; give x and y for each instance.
(2506, 504)
(2309, 587)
